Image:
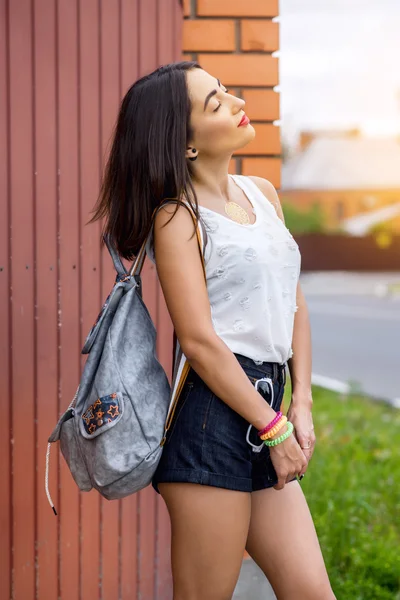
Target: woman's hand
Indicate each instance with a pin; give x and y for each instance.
(299, 413)
(288, 459)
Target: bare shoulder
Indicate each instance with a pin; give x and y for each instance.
(269, 191)
(180, 272)
(181, 217)
(264, 185)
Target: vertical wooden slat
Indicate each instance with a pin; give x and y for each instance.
(89, 140)
(177, 30)
(22, 318)
(165, 29)
(146, 550)
(129, 43)
(129, 548)
(148, 58)
(110, 90)
(5, 315)
(129, 505)
(67, 73)
(148, 42)
(46, 285)
(166, 20)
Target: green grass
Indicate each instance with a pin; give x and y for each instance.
(353, 490)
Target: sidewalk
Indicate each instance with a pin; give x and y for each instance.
(252, 584)
(351, 283)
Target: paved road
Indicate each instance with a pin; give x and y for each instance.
(355, 334)
(252, 584)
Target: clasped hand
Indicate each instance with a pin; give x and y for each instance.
(291, 457)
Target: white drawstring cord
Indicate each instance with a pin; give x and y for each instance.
(46, 479)
(46, 476)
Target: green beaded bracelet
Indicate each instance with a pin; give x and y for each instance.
(282, 437)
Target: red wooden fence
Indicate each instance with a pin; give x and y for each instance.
(64, 67)
(341, 252)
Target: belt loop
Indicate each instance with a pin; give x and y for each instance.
(275, 372)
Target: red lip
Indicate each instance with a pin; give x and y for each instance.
(245, 120)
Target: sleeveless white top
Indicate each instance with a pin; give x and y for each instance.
(252, 274)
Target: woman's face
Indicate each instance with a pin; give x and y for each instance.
(215, 116)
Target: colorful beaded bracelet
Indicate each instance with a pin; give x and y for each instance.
(281, 438)
(271, 424)
(275, 429)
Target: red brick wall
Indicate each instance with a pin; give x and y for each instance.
(234, 41)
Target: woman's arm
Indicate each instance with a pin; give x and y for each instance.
(300, 363)
(299, 412)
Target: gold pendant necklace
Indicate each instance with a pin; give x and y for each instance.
(237, 213)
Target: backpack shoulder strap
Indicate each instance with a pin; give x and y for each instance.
(118, 264)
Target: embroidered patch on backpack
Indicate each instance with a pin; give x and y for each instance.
(104, 410)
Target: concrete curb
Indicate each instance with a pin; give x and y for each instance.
(342, 387)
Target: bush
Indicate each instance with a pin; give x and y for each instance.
(383, 227)
(304, 221)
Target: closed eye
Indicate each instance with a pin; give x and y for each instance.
(219, 105)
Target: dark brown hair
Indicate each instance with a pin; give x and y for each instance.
(147, 162)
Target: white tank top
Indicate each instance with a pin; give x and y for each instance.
(252, 274)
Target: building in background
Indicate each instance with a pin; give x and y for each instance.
(354, 179)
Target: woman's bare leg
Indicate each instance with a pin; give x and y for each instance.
(209, 531)
(283, 542)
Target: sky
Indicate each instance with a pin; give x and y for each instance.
(339, 65)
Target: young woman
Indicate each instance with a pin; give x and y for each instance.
(225, 488)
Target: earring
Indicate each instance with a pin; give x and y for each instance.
(193, 157)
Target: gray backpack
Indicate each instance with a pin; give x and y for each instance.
(112, 433)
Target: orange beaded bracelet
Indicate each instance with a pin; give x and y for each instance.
(275, 429)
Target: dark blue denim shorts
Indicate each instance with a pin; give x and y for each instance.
(206, 442)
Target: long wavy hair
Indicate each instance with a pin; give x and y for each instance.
(147, 162)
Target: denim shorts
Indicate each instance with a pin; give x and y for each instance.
(206, 442)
